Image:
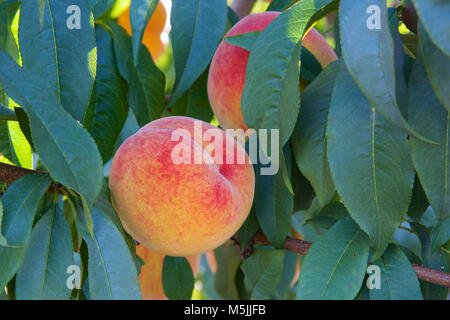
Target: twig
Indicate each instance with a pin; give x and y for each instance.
(10, 173)
(242, 7)
(302, 247)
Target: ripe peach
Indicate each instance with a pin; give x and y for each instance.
(227, 71)
(150, 278)
(180, 209)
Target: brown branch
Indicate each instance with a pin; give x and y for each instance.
(10, 173)
(433, 276)
(242, 7)
(302, 247)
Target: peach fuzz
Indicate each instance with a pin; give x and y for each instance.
(227, 71)
(150, 278)
(178, 209)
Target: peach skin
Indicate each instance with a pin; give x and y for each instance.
(227, 71)
(180, 209)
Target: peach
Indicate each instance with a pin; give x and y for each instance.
(186, 208)
(227, 71)
(150, 278)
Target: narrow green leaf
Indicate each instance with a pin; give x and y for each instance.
(8, 10)
(370, 163)
(2, 238)
(112, 272)
(329, 215)
(437, 65)
(375, 44)
(99, 7)
(274, 205)
(308, 140)
(271, 96)
(197, 27)
(398, 279)
(434, 16)
(440, 234)
(245, 40)
(62, 52)
(429, 116)
(24, 124)
(228, 261)
(49, 253)
(20, 203)
(248, 229)
(64, 147)
(419, 202)
(194, 102)
(335, 265)
(177, 278)
(140, 13)
(108, 108)
(145, 81)
(263, 272)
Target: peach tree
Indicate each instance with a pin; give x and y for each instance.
(357, 92)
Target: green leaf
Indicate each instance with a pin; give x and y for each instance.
(377, 78)
(419, 202)
(49, 253)
(2, 238)
(263, 272)
(228, 261)
(64, 58)
(271, 96)
(194, 102)
(437, 261)
(308, 140)
(440, 234)
(197, 27)
(112, 271)
(108, 109)
(64, 147)
(336, 263)
(434, 16)
(177, 278)
(370, 163)
(428, 115)
(145, 81)
(8, 10)
(140, 13)
(398, 279)
(20, 203)
(99, 7)
(24, 124)
(7, 114)
(248, 229)
(274, 205)
(329, 215)
(245, 40)
(280, 5)
(437, 65)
